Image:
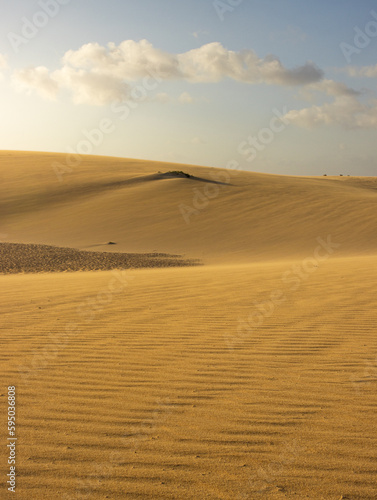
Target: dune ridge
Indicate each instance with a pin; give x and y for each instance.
(247, 217)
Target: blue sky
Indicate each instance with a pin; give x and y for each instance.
(278, 86)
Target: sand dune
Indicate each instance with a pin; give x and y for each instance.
(253, 376)
(246, 217)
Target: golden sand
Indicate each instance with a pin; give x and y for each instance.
(253, 376)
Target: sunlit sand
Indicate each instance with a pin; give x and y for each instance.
(247, 370)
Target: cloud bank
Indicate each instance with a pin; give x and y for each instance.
(332, 88)
(98, 75)
(345, 110)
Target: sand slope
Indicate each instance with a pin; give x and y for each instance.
(253, 376)
(157, 393)
(229, 215)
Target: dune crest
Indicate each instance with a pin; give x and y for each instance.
(216, 215)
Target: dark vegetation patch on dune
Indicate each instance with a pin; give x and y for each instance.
(30, 258)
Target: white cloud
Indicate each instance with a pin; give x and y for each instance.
(329, 87)
(213, 62)
(345, 111)
(363, 71)
(86, 88)
(129, 61)
(185, 98)
(332, 88)
(38, 79)
(91, 87)
(98, 75)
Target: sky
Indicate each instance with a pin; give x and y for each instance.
(274, 86)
